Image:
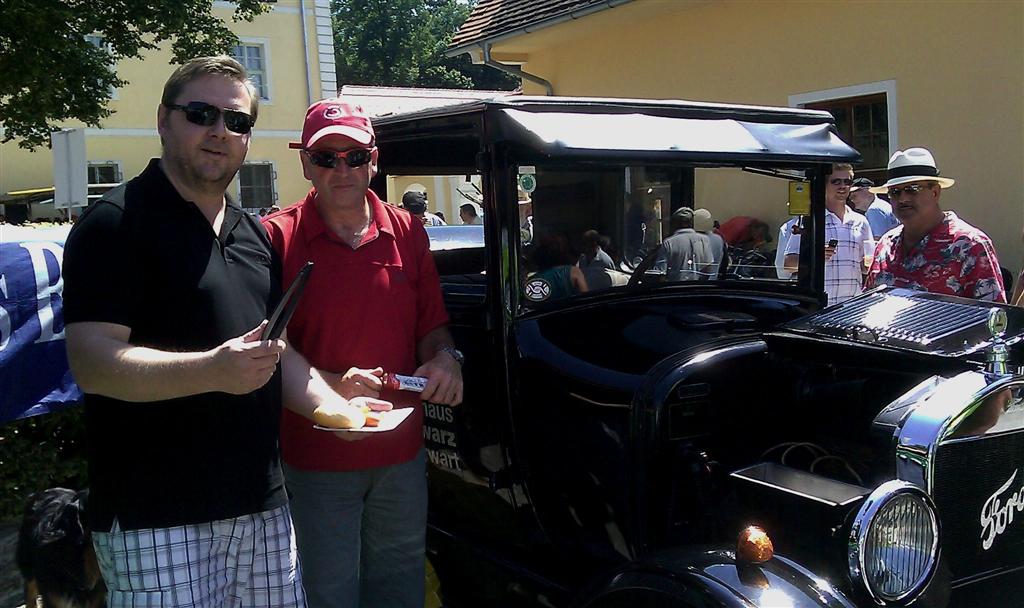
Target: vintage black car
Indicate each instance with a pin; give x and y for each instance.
(613, 443)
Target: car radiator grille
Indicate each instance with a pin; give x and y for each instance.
(973, 512)
(903, 318)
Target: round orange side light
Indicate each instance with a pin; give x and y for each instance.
(753, 546)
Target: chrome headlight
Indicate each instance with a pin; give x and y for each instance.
(894, 542)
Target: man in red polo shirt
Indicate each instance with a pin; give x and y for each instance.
(933, 250)
(372, 305)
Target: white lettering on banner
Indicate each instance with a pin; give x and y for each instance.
(445, 459)
(438, 412)
(37, 251)
(439, 436)
(996, 515)
(5, 318)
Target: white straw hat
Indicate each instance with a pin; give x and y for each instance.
(912, 165)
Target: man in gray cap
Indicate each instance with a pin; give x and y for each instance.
(877, 211)
(686, 255)
(416, 203)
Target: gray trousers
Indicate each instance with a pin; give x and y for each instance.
(361, 535)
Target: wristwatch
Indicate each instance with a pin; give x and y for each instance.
(454, 352)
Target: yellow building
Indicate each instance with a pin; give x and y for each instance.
(289, 53)
(948, 76)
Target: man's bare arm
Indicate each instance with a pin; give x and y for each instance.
(306, 389)
(105, 363)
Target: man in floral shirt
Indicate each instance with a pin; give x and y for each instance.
(933, 250)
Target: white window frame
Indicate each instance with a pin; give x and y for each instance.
(119, 178)
(858, 90)
(273, 182)
(116, 163)
(264, 43)
(101, 42)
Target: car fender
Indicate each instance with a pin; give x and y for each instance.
(711, 578)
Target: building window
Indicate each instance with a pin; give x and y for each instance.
(866, 118)
(253, 57)
(863, 122)
(102, 176)
(100, 43)
(256, 185)
(104, 173)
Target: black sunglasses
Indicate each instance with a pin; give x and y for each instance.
(202, 113)
(911, 190)
(839, 181)
(329, 159)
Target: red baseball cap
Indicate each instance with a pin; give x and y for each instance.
(334, 117)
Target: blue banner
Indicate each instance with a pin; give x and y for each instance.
(34, 374)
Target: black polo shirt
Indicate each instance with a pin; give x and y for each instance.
(145, 258)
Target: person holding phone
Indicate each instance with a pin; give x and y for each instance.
(167, 285)
(372, 305)
(847, 234)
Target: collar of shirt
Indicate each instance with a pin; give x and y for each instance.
(166, 198)
(941, 233)
(315, 226)
(848, 218)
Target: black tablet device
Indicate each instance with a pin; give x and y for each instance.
(285, 308)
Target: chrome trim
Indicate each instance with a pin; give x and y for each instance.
(944, 404)
(861, 528)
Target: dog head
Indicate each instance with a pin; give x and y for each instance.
(55, 554)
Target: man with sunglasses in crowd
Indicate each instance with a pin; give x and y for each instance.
(878, 211)
(372, 305)
(933, 250)
(845, 232)
(167, 283)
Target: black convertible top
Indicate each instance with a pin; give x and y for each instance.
(576, 127)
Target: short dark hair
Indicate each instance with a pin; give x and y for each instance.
(203, 66)
(468, 207)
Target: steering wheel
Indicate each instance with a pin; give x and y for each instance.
(640, 270)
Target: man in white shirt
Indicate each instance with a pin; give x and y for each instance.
(785, 231)
(844, 263)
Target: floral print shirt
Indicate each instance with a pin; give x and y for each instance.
(955, 259)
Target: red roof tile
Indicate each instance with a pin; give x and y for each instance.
(491, 18)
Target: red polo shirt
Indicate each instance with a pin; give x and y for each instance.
(365, 307)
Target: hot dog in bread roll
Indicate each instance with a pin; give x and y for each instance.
(338, 415)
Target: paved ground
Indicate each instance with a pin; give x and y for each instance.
(10, 581)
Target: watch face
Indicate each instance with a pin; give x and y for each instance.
(455, 353)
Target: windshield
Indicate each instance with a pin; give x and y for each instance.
(601, 228)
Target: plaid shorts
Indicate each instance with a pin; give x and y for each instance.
(247, 561)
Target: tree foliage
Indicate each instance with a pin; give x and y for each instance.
(50, 73)
(402, 43)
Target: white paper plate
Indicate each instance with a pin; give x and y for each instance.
(388, 420)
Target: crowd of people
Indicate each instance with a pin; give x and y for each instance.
(906, 240)
(204, 492)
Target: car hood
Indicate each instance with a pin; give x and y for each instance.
(914, 321)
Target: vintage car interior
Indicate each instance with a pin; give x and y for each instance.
(614, 442)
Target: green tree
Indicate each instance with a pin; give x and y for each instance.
(402, 43)
(51, 73)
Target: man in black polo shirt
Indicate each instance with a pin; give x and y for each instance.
(166, 286)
